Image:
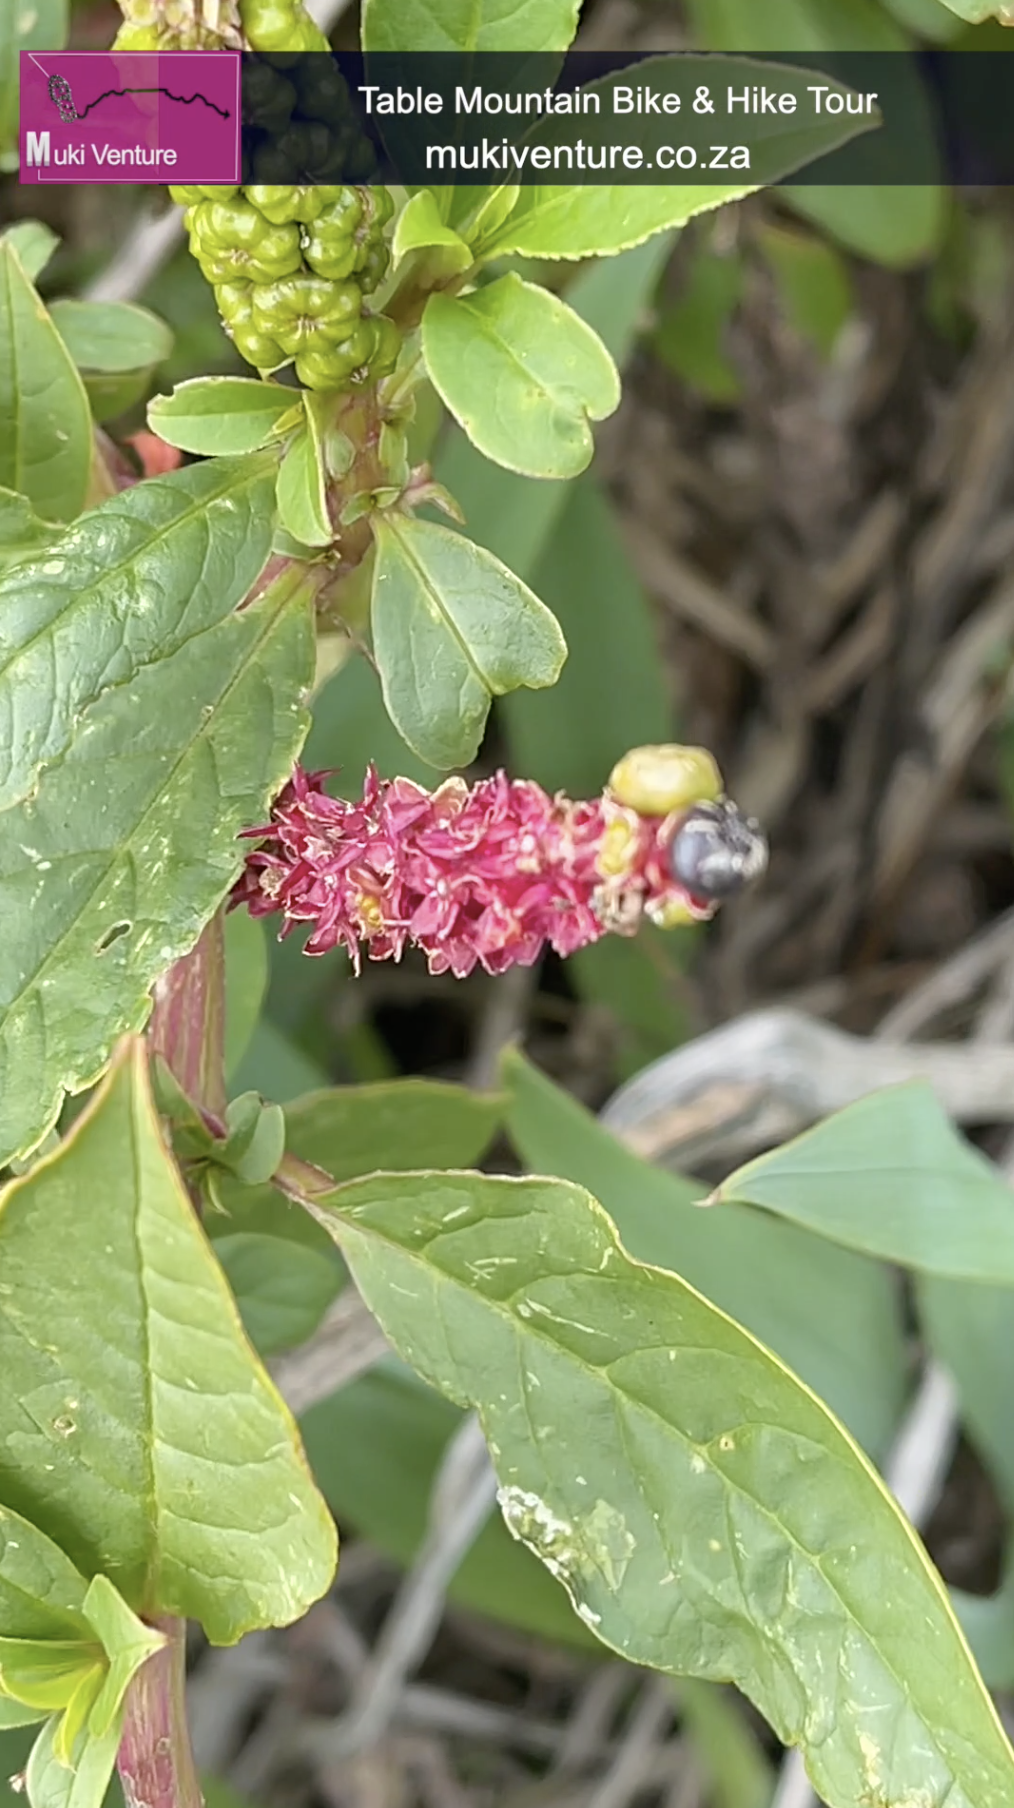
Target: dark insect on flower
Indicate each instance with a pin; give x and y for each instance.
(716, 851)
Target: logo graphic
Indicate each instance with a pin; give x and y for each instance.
(130, 116)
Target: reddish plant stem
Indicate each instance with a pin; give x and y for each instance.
(155, 1760)
(187, 1025)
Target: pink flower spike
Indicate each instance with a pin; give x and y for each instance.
(490, 874)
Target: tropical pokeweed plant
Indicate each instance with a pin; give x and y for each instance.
(703, 1509)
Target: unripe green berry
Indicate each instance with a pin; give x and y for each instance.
(300, 308)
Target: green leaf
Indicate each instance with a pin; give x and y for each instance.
(110, 870)
(419, 227)
(127, 1643)
(116, 346)
(832, 1316)
(353, 1130)
(970, 1330)
(813, 284)
(46, 444)
(21, 530)
(282, 1289)
(246, 982)
(399, 1430)
(808, 25)
(111, 335)
(975, 11)
(452, 628)
(157, 1449)
(515, 516)
(42, 1595)
(44, 1673)
(34, 243)
(653, 1455)
(892, 225)
(255, 1142)
(690, 335)
(302, 491)
(128, 585)
(599, 221)
(13, 1714)
(531, 25)
(49, 1782)
(521, 373)
(891, 1176)
(24, 25)
(222, 415)
(929, 18)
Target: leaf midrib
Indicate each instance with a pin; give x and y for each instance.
(522, 1328)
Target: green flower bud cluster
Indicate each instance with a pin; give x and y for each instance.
(299, 123)
(290, 267)
(280, 25)
(179, 25)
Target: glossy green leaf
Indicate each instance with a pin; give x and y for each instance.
(131, 583)
(419, 227)
(521, 373)
(532, 25)
(452, 628)
(42, 1595)
(831, 1315)
(282, 1288)
(653, 1455)
(34, 243)
(46, 443)
(302, 494)
(970, 1330)
(598, 221)
(110, 869)
(157, 1449)
(891, 1176)
(24, 25)
(399, 1430)
(222, 415)
(116, 346)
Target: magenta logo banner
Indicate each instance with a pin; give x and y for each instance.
(130, 116)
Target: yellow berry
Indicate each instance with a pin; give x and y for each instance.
(657, 780)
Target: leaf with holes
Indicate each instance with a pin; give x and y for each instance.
(705, 1511)
(452, 629)
(521, 373)
(156, 1449)
(111, 867)
(127, 586)
(46, 443)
